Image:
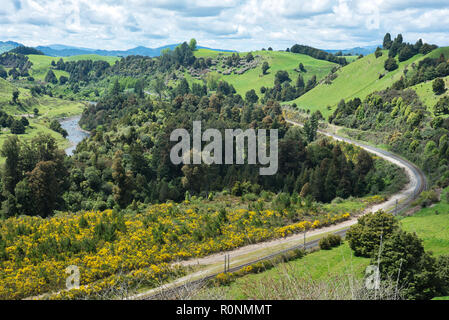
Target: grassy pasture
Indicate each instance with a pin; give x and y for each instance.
(41, 64)
(278, 60)
(358, 79)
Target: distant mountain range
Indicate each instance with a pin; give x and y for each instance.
(8, 45)
(59, 50)
(64, 51)
(357, 50)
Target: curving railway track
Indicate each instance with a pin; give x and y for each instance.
(396, 203)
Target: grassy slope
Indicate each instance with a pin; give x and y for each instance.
(358, 79)
(49, 108)
(41, 64)
(204, 53)
(277, 60)
(350, 58)
(319, 265)
(425, 92)
(431, 227)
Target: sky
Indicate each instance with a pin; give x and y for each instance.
(224, 24)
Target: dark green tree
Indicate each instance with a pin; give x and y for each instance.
(192, 44)
(387, 42)
(265, 67)
(438, 86)
(123, 181)
(300, 82)
(182, 88)
(365, 237)
(11, 174)
(63, 80)
(115, 88)
(3, 73)
(158, 86)
(378, 52)
(406, 53)
(15, 96)
(441, 107)
(251, 96)
(17, 127)
(44, 186)
(51, 77)
(138, 88)
(310, 128)
(311, 83)
(390, 64)
(404, 260)
(282, 76)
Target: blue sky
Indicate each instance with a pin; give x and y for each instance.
(229, 24)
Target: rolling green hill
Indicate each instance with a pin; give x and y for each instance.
(49, 109)
(205, 53)
(358, 79)
(41, 64)
(253, 79)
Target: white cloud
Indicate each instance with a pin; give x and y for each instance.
(241, 25)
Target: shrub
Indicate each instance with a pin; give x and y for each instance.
(364, 237)
(282, 201)
(390, 64)
(403, 258)
(426, 198)
(250, 197)
(442, 270)
(330, 241)
(222, 279)
(438, 86)
(266, 195)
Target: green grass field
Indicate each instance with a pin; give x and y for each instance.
(350, 58)
(278, 60)
(432, 226)
(319, 265)
(358, 79)
(205, 53)
(49, 107)
(41, 64)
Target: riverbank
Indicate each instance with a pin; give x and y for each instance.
(76, 134)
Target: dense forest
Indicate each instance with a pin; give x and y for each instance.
(126, 160)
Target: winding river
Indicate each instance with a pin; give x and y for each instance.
(75, 133)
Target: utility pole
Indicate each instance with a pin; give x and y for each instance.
(229, 261)
(396, 209)
(304, 239)
(225, 264)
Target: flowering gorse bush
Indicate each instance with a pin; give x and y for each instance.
(34, 252)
